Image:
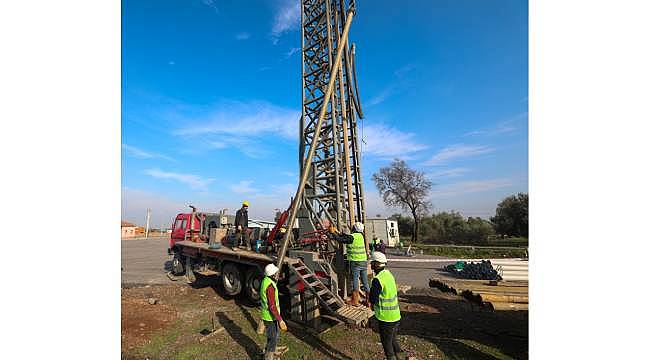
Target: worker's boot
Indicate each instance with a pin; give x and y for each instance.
(355, 298)
(368, 300)
(269, 356)
(280, 350)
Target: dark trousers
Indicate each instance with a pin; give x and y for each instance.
(388, 335)
(272, 335)
(243, 238)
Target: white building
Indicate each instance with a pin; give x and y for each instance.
(384, 229)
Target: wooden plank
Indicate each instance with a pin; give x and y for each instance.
(514, 290)
(503, 298)
(211, 334)
(502, 306)
(506, 283)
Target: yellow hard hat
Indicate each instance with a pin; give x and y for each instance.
(245, 203)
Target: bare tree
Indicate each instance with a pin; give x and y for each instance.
(401, 186)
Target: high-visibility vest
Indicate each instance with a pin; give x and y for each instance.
(357, 249)
(387, 308)
(264, 310)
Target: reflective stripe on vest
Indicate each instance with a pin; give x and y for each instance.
(387, 309)
(264, 309)
(357, 249)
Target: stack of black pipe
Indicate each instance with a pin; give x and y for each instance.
(475, 271)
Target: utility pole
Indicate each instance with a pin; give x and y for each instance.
(146, 230)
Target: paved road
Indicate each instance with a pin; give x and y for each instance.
(143, 261)
(416, 270)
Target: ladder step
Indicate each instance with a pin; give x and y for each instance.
(297, 268)
(308, 275)
(330, 301)
(322, 292)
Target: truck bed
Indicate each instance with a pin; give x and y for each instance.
(224, 251)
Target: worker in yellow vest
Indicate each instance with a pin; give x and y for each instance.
(357, 258)
(384, 302)
(270, 312)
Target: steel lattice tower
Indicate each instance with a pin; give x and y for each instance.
(334, 188)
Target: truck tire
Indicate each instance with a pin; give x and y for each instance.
(178, 268)
(189, 272)
(231, 279)
(253, 281)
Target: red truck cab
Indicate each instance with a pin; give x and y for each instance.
(181, 226)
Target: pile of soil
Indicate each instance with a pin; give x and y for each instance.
(140, 319)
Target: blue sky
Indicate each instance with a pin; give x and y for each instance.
(211, 102)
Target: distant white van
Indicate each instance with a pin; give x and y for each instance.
(384, 229)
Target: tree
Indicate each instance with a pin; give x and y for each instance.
(401, 186)
(512, 216)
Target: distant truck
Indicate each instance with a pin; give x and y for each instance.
(383, 229)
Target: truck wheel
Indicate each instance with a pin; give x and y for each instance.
(232, 279)
(189, 272)
(178, 268)
(253, 281)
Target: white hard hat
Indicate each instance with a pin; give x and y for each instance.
(379, 257)
(270, 270)
(358, 226)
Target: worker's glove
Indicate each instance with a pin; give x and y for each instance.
(333, 229)
(283, 326)
(239, 227)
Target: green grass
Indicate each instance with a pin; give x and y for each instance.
(474, 253)
(181, 341)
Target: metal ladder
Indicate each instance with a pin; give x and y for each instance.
(357, 315)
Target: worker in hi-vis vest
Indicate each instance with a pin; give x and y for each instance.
(357, 257)
(383, 299)
(270, 312)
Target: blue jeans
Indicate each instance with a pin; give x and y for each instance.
(359, 268)
(272, 335)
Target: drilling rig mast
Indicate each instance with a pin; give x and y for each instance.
(334, 189)
(330, 185)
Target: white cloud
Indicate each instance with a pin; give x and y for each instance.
(386, 142)
(506, 126)
(243, 187)
(243, 36)
(469, 187)
(163, 210)
(245, 120)
(142, 154)
(375, 205)
(399, 84)
(287, 18)
(291, 52)
(195, 182)
(457, 151)
(448, 173)
(382, 96)
(211, 4)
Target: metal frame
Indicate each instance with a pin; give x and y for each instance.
(334, 188)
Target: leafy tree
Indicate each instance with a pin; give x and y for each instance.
(401, 186)
(512, 216)
(479, 230)
(448, 228)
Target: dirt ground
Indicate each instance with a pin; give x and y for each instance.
(434, 325)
